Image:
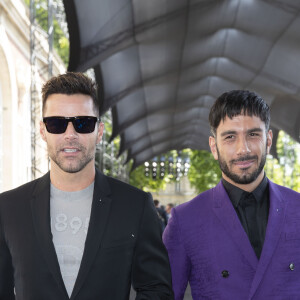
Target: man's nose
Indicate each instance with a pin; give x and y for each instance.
(70, 132)
(243, 146)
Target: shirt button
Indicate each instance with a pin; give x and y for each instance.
(225, 273)
(292, 267)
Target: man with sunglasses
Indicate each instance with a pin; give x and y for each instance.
(75, 233)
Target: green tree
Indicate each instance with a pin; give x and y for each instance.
(61, 42)
(204, 172)
(147, 183)
(286, 169)
(138, 179)
(111, 162)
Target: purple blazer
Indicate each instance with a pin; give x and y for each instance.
(209, 248)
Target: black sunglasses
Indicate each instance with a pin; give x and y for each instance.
(82, 124)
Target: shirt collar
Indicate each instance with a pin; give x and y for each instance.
(235, 194)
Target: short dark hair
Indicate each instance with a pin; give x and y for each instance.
(156, 202)
(71, 83)
(237, 102)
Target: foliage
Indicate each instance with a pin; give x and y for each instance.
(286, 169)
(138, 179)
(61, 42)
(204, 172)
(108, 159)
(147, 183)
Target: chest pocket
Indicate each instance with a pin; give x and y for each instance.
(128, 241)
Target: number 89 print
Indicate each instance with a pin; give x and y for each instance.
(75, 224)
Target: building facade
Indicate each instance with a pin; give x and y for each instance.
(21, 148)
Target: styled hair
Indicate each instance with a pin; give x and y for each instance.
(71, 83)
(238, 102)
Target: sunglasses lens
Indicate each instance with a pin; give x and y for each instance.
(56, 125)
(85, 124)
(59, 125)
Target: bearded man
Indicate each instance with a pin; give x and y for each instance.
(75, 233)
(241, 239)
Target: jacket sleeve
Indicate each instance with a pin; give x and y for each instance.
(151, 274)
(6, 270)
(180, 263)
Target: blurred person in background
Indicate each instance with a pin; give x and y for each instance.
(161, 213)
(168, 210)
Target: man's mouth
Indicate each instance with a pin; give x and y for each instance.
(244, 162)
(70, 150)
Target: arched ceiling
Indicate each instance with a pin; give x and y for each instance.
(160, 64)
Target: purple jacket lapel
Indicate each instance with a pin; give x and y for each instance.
(225, 212)
(274, 228)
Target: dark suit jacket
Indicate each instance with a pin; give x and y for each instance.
(208, 247)
(123, 246)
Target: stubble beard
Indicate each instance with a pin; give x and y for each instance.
(74, 165)
(247, 177)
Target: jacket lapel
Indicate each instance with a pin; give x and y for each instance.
(40, 207)
(273, 231)
(226, 214)
(99, 216)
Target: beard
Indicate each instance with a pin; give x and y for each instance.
(75, 164)
(247, 177)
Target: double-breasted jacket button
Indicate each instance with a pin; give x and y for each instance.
(225, 273)
(292, 267)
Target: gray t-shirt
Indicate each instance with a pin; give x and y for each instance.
(70, 215)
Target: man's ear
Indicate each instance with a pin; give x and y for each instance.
(100, 132)
(213, 147)
(269, 140)
(43, 131)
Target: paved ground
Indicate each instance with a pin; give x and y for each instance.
(187, 295)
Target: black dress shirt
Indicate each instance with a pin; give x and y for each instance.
(252, 210)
